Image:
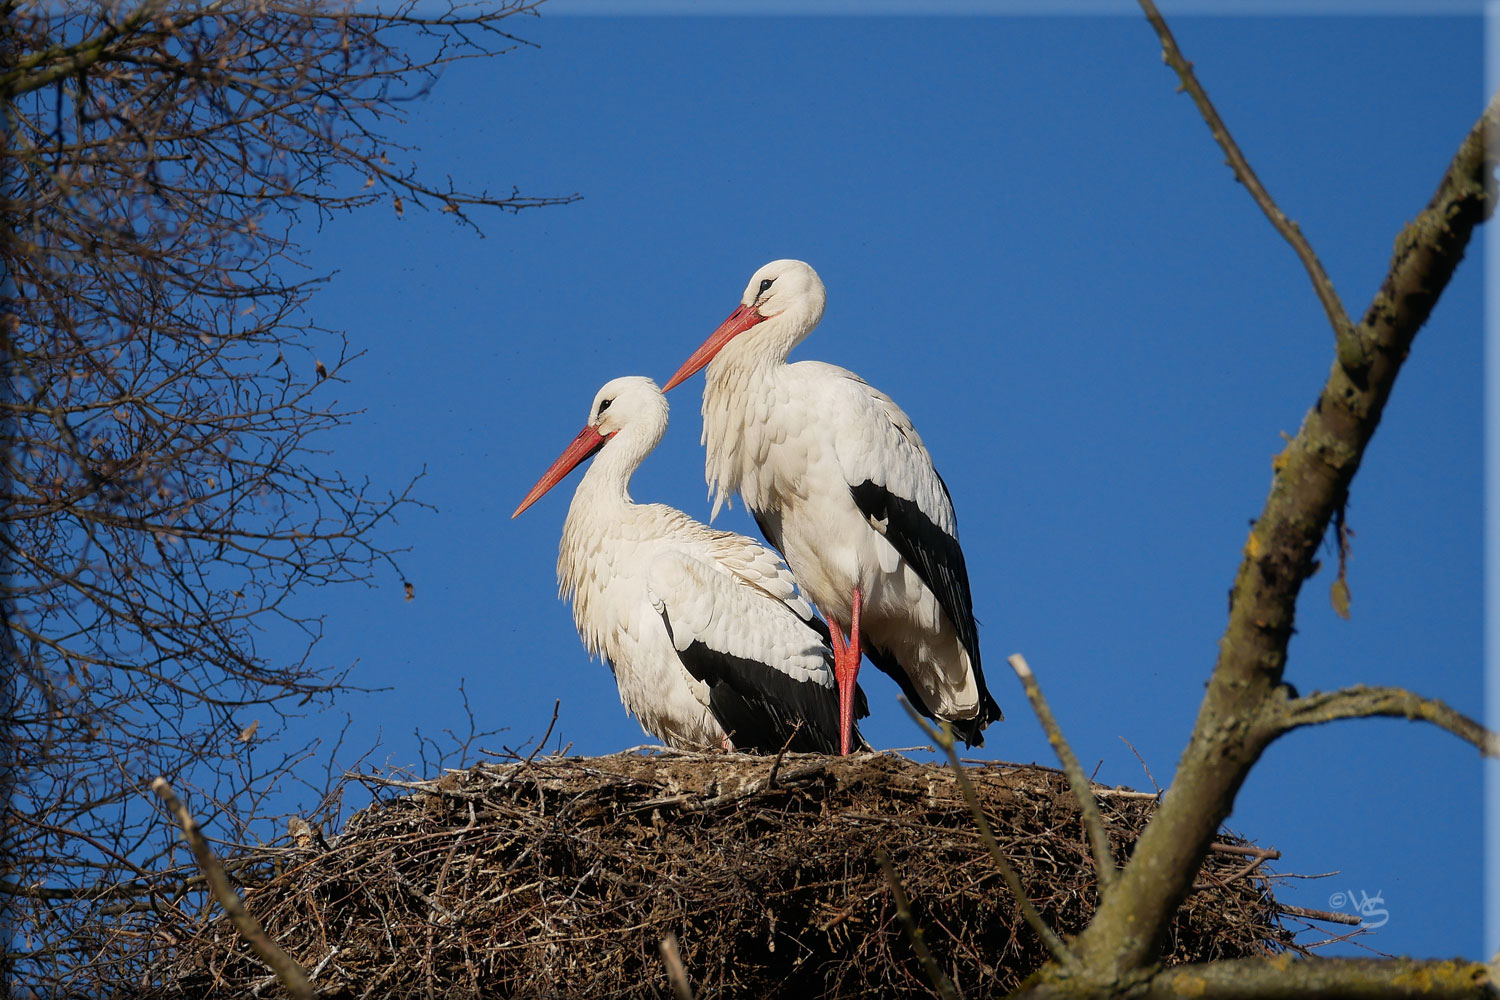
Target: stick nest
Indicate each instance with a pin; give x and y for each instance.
(559, 877)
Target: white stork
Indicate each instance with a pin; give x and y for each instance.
(839, 481)
(705, 632)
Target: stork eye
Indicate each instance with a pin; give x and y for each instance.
(765, 284)
(604, 405)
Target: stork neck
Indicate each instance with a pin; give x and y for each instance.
(752, 356)
(768, 343)
(608, 476)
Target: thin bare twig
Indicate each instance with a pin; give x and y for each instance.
(1149, 776)
(935, 974)
(1093, 821)
(286, 968)
(781, 755)
(556, 707)
(1249, 850)
(676, 972)
(944, 738)
(1329, 916)
(1343, 329)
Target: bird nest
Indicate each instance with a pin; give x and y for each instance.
(561, 876)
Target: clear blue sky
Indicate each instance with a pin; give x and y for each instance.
(1031, 242)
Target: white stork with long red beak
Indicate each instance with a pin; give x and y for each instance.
(839, 481)
(708, 638)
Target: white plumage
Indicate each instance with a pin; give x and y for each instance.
(839, 481)
(708, 638)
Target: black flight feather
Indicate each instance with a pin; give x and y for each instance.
(770, 527)
(932, 552)
(971, 731)
(760, 707)
(939, 561)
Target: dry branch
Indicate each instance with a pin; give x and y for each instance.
(1329, 916)
(1104, 862)
(287, 970)
(1336, 979)
(1362, 702)
(1343, 329)
(562, 881)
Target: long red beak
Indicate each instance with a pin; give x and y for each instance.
(585, 444)
(738, 322)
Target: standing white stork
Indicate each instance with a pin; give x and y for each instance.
(705, 632)
(839, 481)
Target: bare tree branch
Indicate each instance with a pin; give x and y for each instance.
(38, 69)
(1333, 978)
(286, 968)
(1312, 477)
(1362, 702)
(1343, 329)
(1305, 979)
(1088, 806)
(166, 495)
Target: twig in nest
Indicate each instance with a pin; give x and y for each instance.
(1328, 915)
(675, 971)
(1250, 850)
(1149, 776)
(935, 975)
(1218, 882)
(781, 755)
(557, 704)
(1093, 822)
(944, 739)
(286, 968)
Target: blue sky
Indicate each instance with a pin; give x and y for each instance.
(1031, 242)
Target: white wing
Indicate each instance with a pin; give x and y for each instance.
(875, 442)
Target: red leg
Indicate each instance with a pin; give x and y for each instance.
(837, 635)
(847, 673)
(840, 658)
(854, 633)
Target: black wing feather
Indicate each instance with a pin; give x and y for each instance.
(939, 561)
(932, 552)
(760, 707)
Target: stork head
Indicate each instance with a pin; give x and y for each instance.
(632, 401)
(786, 291)
(632, 405)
